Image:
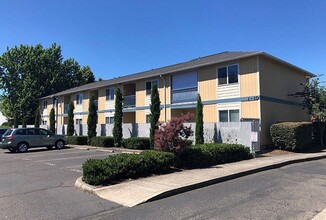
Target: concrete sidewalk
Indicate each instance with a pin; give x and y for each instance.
(134, 192)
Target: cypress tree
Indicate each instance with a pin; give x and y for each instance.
(24, 122)
(37, 118)
(91, 120)
(16, 120)
(155, 113)
(52, 121)
(118, 114)
(199, 122)
(70, 126)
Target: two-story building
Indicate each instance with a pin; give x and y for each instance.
(234, 86)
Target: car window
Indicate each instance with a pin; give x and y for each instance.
(8, 132)
(21, 132)
(43, 132)
(30, 132)
(2, 131)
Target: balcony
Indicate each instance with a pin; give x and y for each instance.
(184, 95)
(129, 101)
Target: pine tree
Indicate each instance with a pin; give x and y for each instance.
(52, 121)
(118, 114)
(91, 120)
(155, 113)
(37, 118)
(199, 122)
(70, 126)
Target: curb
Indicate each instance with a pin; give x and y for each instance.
(85, 187)
(111, 149)
(321, 215)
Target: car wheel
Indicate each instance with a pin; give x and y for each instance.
(59, 144)
(49, 147)
(22, 147)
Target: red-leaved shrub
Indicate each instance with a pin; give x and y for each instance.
(172, 136)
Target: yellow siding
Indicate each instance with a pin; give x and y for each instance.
(207, 83)
(249, 79)
(85, 104)
(168, 89)
(168, 114)
(210, 113)
(101, 118)
(101, 98)
(250, 109)
(140, 116)
(278, 80)
(140, 93)
(276, 112)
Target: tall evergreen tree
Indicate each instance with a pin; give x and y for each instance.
(199, 122)
(91, 120)
(16, 120)
(118, 115)
(24, 122)
(37, 118)
(52, 121)
(155, 113)
(70, 126)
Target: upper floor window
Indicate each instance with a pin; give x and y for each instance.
(45, 104)
(79, 121)
(228, 74)
(149, 86)
(109, 120)
(110, 94)
(148, 118)
(79, 98)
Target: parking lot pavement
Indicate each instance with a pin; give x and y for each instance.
(39, 184)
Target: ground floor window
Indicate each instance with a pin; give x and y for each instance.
(79, 121)
(229, 115)
(148, 118)
(109, 120)
(44, 122)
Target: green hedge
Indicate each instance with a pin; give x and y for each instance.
(102, 141)
(140, 143)
(124, 166)
(316, 132)
(77, 140)
(291, 135)
(207, 155)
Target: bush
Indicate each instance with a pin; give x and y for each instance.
(77, 140)
(172, 136)
(140, 143)
(291, 135)
(102, 141)
(207, 155)
(124, 166)
(316, 133)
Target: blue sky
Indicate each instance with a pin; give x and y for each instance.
(122, 37)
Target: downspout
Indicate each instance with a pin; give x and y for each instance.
(164, 97)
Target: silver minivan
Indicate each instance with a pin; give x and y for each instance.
(21, 139)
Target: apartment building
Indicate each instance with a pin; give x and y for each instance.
(234, 87)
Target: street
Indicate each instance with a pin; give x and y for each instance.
(39, 184)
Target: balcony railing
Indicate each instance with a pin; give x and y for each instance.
(129, 101)
(184, 95)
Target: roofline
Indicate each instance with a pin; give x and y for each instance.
(183, 69)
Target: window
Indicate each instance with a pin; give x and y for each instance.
(224, 116)
(42, 132)
(21, 132)
(148, 118)
(45, 104)
(149, 86)
(227, 75)
(109, 120)
(110, 94)
(229, 115)
(79, 98)
(44, 122)
(79, 121)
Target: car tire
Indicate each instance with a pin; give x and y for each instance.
(22, 147)
(49, 147)
(59, 144)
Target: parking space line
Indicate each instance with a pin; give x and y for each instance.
(80, 165)
(75, 170)
(51, 164)
(68, 158)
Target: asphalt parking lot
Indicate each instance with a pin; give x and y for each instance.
(39, 184)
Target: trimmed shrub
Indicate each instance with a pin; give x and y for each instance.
(316, 133)
(140, 143)
(124, 166)
(207, 155)
(102, 141)
(291, 135)
(77, 140)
